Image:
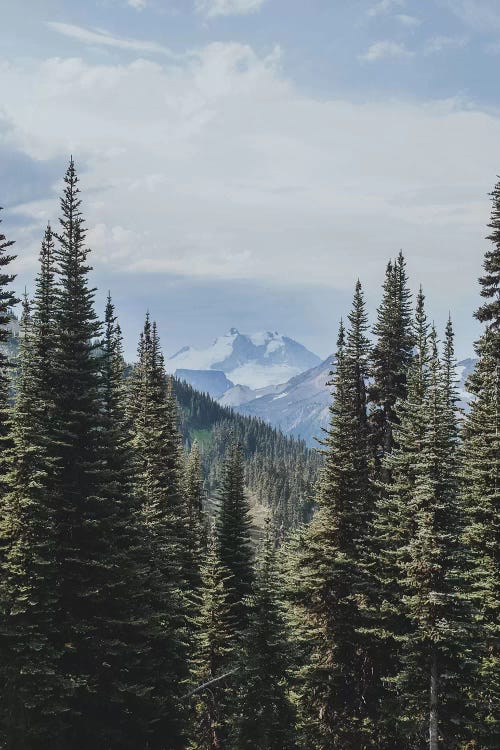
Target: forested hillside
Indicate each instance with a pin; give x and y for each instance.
(280, 472)
(136, 612)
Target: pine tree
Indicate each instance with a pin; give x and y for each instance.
(481, 488)
(234, 540)
(33, 691)
(337, 692)
(390, 358)
(193, 485)
(264, 715)
(157, 485)
(90, 504)
(125, 624)
(212, 663)
(7, 302)
(435, 647)
(393, 522)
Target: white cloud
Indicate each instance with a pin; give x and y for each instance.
(480, 15)
(438, 44)
(101, 37)
(411, 22)
(219, 167)
(138, 4)
(213, 8)
(385, 50)
(385, 6)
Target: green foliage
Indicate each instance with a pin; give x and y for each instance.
(264, 714)
(234, 543)
(213, 653)
(390, 358)
(125, 624)
(481, 492)
(335, 693)
(158, 488)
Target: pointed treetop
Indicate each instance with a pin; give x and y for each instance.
(489, 312)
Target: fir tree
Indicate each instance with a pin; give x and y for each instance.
(234, 541)
(481, 488)
(336, 696)
(125, 624)
(433, 679)
(33, 690)
(390, 358)
(157, 484)
(193, 485)
(90, 503)
(393, 520)
(7, 302)
(264, 714)
(212, 662)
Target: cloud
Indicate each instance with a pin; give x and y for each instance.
(438, 44)
(101, 37)
(213, 8)
(385, 50)
(219, 168)
(385, 6)
(410, 22)
(480, 15)
(138, 4)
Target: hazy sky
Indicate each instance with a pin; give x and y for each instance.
(243, 161)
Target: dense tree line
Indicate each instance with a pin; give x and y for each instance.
(135, 609)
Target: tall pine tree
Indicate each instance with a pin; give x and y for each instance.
(235, 550)
(157, 484)
(264, 713)
(434, 674)
(390, 359)
(7, 302)
(212, 664)
(336, 693)
(481, 486)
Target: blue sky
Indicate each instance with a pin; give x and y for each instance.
(243, 161)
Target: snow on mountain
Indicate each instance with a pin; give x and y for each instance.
(255, 361)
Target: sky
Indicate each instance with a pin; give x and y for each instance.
(242, 162)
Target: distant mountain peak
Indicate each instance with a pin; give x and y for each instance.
(254, 360)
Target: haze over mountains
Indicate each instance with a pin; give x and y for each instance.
(243, 371)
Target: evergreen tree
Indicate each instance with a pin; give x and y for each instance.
(234, 541)
(125, 625)
(157, 485)
(390, 358)
(213, 653)
(264, 715)
(7, 302)
(32, 686)
(433, 678)
(336, 695)
(481, 488)
(90, 503)
(193, 485)
(393, 521)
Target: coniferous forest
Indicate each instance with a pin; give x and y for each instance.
(140, 606)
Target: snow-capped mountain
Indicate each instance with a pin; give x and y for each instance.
(254, 361)
(300, 406)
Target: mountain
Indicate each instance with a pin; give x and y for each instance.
(299, 407)
(254, 361)
(213, 382)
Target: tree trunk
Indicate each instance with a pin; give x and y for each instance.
(433, 715)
